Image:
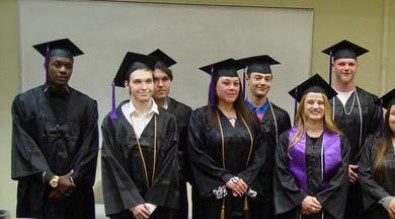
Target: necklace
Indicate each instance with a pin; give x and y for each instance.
(232, 120)
(352, 106)
(356, 96)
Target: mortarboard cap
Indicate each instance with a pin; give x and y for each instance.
(345, 49)
(314, 84)
(129, 59)
(165, 61)
(124, 72)
(228, 68)
(61, 47)
(259, 64)
(387, 100)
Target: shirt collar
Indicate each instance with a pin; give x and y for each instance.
(153, 109)
(63, 93)
(262, 108)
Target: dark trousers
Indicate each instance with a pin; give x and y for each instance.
(354, 206)
(183, 211)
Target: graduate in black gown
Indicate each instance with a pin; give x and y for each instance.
(354, 112)
(225, 148)
(55, 142)
(273, 121)
(163, 77)
(377, 167)
(310, 180)
(139, 151)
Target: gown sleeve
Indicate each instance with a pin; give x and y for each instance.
(85, 163)
(27, 158)
(185, 167)
(165, 188)
(333, 198)
(119, 191)
(287, 194)
(208, 173)
(259, 157)
(372, 192)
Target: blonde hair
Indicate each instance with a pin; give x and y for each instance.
(300, 119)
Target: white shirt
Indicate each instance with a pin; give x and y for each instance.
(137, 120)
(343, 96)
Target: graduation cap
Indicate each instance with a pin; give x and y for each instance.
(61, 47)
(314, 84)
(225, 68)
(386, 101)
(343, 49)
(259, 64)
(165, 61)
(124, 71)
(57, 48)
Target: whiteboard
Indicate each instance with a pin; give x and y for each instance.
(194, 35)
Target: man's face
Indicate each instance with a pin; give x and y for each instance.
(59, 71)
(162, 84)
(259, 84)
(140, 85)
(345, 69)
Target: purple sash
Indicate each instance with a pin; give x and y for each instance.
(330, 158)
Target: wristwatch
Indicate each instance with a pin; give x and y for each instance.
(54, 181)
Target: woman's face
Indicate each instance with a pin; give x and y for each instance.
(314, 106)
(227, 89)
(391, 119)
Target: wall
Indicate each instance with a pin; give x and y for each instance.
(366, 22)
(9, 86)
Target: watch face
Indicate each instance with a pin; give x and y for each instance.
(54, 181)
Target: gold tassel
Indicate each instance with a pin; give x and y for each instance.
(223, 209)
(245, 203)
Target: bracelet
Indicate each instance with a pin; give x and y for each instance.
(72, 180)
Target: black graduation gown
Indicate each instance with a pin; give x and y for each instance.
(42, 141)
(272, 130)
(288, 196)
(205, 154)
(372, 190)
(182, 113)
(350, 126)
(123, 174)
(283, 121)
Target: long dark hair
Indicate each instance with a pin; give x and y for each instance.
(239, 105)
(384, 144)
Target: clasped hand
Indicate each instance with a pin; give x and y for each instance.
(238, 188)
(64, 189)
(310, 205)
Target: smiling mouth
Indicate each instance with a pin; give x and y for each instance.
(61, 78)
